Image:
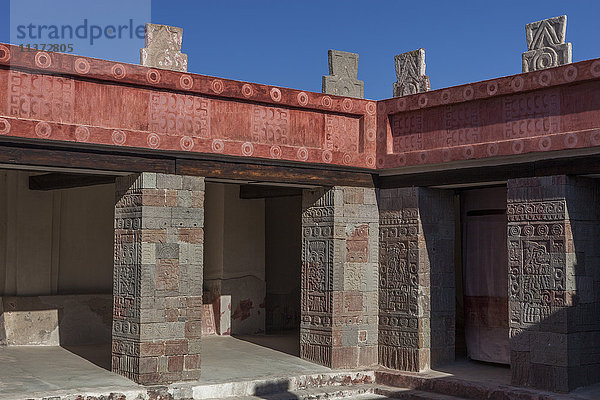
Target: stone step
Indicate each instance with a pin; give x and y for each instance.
(358, 392)
(462, 388)
(389, 392)
(270, 386)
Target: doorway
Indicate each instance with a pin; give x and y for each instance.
(484, 264)
(252, 264)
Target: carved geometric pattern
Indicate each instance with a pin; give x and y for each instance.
(536, 245)
(163, 48)
(341, 133)
(270, 125)
(151, 338)
(179, 115)
(410, 72)
(343, 75)
(44, 97)
(531, 114)
(462, 125)
(546, 44)
(398, 289)
(339, 274)
(317, 280)
(407, 131)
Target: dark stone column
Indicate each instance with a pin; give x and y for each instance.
(416, 278)
(554, 279)
(157, 291)
(339, 277)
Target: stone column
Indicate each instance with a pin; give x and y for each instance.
(339, 277)
(157, 289)
(554, 283)
(416, 278)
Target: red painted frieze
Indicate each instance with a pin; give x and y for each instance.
(552, 109)
(61, 97)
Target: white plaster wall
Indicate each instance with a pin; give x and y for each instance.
(244, 261)
(234, 254)
(54, 242)
(244, 247)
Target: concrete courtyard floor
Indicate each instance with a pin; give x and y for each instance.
(36, 371)
(226, 359)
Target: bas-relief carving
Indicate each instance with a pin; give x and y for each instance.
(407, 131)
(187, 115)
(410, 73)
(148, 275)
(44, 97)
(127, 275)
(336, 245)
(523, 115)
(546, 44)
(343, 75)
(536, 240)
(341, 133)
(317, 278)
(163, 48)
(462, 125)
(179, 115)
(531, 114)
(270, 125)
(398, 289)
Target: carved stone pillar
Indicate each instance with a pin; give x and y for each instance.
(157, 289)
(416, 278)
(339, 277)
(554, 285)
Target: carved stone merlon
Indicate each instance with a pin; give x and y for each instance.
(546, 44)
(343, 75)
(410, 72)
(163, 48)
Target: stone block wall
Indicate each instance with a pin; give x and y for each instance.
(157, 291)
(416, 278)
(339, 277)
(554, 279)
(67, 320)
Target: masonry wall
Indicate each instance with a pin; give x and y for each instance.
(554, 296)
(339, 277)
(159, 221)
(416, 278)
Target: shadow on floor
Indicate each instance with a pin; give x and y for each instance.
(98, 354)
(287, 342)
(469, 369)
(280, 389)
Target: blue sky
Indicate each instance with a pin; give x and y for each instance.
(285, 43)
